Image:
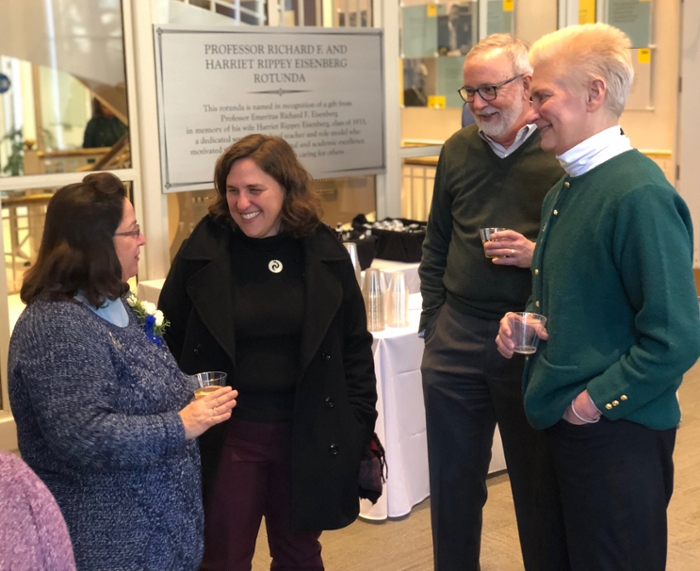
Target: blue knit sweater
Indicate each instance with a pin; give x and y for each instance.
(96, 407)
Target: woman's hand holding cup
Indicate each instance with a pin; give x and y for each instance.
(520, 331)
(205, 412)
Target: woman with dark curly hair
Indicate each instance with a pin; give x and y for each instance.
(103, 413)
(264, 291)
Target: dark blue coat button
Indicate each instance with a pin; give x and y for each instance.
(333, 449)
(329, 402)
(325, 356)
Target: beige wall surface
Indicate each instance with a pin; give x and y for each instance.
(656, 129)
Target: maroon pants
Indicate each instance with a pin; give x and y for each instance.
(254, 480)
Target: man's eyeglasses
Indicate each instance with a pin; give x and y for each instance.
(133, 233)
(487, 92)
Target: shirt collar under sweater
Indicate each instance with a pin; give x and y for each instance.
(594, 151)
(501, 152)
(112, 310)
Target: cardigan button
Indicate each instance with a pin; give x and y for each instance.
(567, 184)
(556, 213)
(537, 272)
(196, 349)
(537, 303)
(329, 402)
(326, 356)
(608, 406)
(333, 449)
(615, 402)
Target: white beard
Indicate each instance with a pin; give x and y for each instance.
(505, 122)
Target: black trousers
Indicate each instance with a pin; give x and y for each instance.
(614, 480)
(469, 387)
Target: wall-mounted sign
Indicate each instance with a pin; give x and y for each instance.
(320, 89)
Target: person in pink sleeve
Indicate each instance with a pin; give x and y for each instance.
(33, 534)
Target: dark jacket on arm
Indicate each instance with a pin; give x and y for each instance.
(334, 407)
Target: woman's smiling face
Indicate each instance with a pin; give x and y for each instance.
(254, 199)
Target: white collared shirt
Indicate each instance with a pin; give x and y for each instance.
(522, 136)
(594, 151)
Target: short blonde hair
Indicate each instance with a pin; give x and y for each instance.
(587, 52)
(515, 49)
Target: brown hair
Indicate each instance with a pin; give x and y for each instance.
(77, 249)
(301, 209)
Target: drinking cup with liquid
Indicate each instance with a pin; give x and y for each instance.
(485, 235)
(208, 382)
(524, 329)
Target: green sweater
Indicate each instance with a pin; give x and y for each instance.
(474, 188)
(612, 271)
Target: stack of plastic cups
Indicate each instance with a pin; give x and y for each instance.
(373, 293)
(397, 301)
(351, 247)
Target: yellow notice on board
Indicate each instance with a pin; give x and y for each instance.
(644, 55)
(437, 101)
(431, 10)
(508, 5)
(586, 11)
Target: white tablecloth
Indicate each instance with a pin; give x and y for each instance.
(401, 420)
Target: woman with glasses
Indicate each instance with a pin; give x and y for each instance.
(104, 416)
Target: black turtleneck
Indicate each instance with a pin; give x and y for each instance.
(268, 310)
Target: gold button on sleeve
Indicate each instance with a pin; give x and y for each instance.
(623, 397)
(615, 402)
(608, 406)
(537, 303)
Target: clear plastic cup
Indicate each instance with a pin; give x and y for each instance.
(485, 235)
(524, 328)
(208, 382)
(397, 301)
(373, 294)
(351, 247)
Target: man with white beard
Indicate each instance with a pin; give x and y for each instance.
(492, 174)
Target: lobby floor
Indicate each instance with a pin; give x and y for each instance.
(405, 545)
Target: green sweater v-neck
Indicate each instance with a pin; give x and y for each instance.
(474, 188)
(613, 274)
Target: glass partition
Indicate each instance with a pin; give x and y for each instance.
(63, 104)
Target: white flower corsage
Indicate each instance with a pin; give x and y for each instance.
(151, 318)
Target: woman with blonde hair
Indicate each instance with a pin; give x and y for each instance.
(613, 274)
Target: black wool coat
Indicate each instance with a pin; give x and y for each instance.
(334, 407)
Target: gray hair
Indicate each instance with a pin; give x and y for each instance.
(588, 52)
(515, 49)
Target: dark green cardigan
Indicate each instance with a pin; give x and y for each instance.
(474, 188)
(612, 271)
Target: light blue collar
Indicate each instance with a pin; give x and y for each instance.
(112, 310)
